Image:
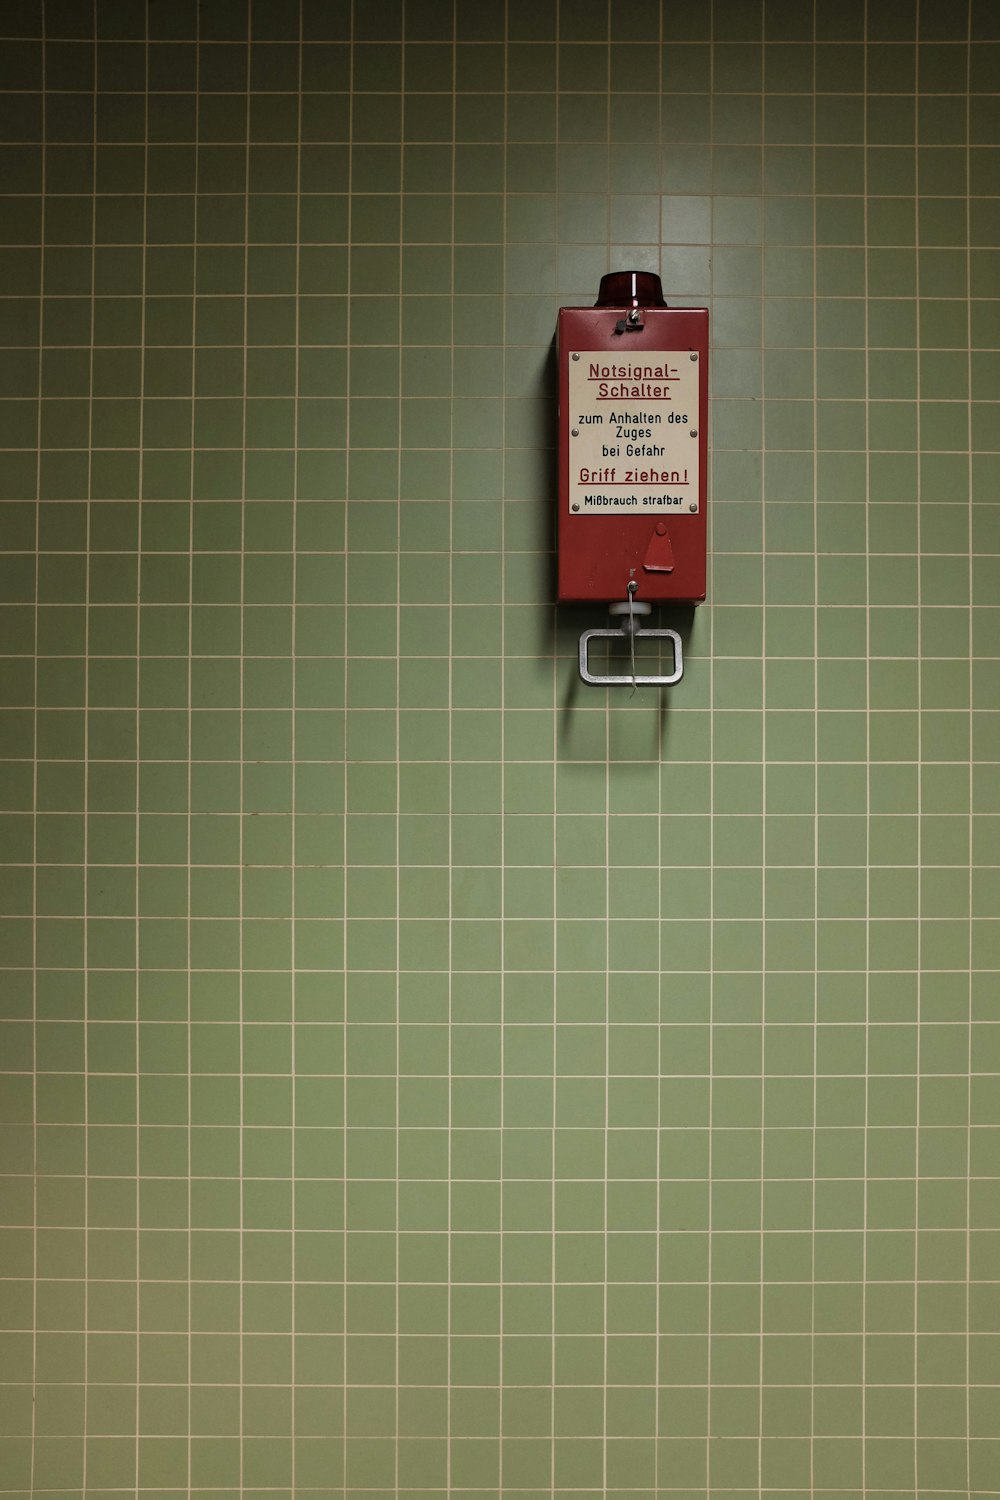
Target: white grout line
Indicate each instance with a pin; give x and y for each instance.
(920, 799)
(86, 956)
(35, 798)
(242, 996)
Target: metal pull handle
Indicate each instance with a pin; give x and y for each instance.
(629, 679)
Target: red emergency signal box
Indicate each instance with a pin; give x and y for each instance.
(633, 446)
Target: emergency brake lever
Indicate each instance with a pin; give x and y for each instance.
(629, 632)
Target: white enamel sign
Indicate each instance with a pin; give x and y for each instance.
(633, 424)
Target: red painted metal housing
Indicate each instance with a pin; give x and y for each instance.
(601, 552)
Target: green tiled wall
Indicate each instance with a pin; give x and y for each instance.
(421, 1071)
